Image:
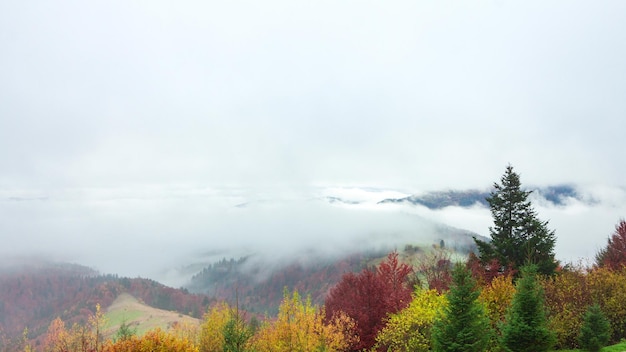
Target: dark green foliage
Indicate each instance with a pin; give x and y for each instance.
(596, 330)
(125, 332)
(236, 335)
(518, 236)
(526, 328)
(464, 327)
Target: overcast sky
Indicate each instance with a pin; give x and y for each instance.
(110, 101)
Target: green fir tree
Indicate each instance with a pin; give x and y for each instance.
(464, 326)
(526, 327)
(518, 237)
(596, 330)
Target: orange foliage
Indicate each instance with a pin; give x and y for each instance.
(155, 340)
(79, 339)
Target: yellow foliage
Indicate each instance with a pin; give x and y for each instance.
(497, 297)
(155, 340)
(410, 329)
(300, 327)
(567, 299)
(608, 288)
(79, 338)
(211, 337)
(185, 330)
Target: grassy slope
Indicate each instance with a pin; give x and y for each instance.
(141, 317)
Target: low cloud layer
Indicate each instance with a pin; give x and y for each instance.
(160, 233)
(131, 130)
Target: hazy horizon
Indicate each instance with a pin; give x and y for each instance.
(130, 129)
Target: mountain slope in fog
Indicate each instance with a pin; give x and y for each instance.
(258, 283)
(556, 195)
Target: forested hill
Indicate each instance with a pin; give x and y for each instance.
(32, 295)
(258, 284)
(556, 195)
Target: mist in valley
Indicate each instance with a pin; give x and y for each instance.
(150, 139)
(169, 235)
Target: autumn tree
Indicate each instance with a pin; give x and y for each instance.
(212, 328)
(567, 297)
(155, 340)
(368, 297)
(497, 297)
(464, 325)
(300, 327)
(80, 338)
(409, 330)
(608, 288)
(518, 237)
(613, 256)
(435, 269)
(526, 327)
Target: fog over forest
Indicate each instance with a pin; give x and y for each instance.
(141, 136)
(157, 235)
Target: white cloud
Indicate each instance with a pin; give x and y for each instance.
(277, 97)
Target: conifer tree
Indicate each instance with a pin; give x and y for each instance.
(596, 330)
(465, 326)
(518, 237)
(526, 327)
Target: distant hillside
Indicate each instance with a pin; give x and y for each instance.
(32, 295)
(259, 284)
(556, 195)
(141, 317)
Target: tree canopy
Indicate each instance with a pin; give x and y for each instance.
(613, 255)
(518, 237)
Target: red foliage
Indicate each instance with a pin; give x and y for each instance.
(614, 255)
(368, 297)
(436, 268)
(485, 273)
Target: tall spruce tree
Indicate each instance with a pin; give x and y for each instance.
(518, 237)
(526, 325)
(465, 326)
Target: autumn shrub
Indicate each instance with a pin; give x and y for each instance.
(567, 296)
(608, 289)
(410, 328)
(497, 297)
